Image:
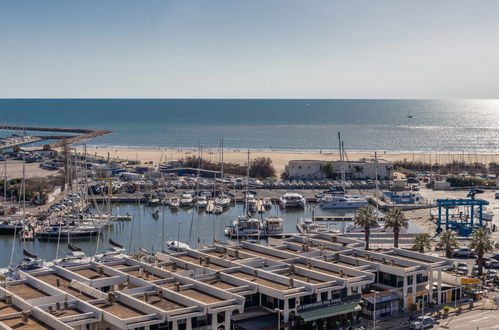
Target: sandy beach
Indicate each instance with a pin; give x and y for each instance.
(279, 158)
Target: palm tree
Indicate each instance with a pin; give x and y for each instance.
(481, 243)
(421, 242)
(396, 220)
(448, 242)
(366, 218)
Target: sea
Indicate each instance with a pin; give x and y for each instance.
(467, 126)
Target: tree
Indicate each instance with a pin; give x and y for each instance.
(262, 167)
(448, 242)
(366, 218)
(358, 169)
(396, 220)
(47, 147)
(328, 170)
(421, 242)
(481, 243)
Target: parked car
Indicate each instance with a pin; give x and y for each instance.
(463, 253)
(422, 322)
(462, 268)
(494, 265)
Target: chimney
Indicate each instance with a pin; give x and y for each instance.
(146, 273)
(292, 269)
(57, 306)
(207, 261)
(333, 239)
(177, 287)
(51, 309)
(160, 294)
(200, 260)
(218, 275)
(357, 262)
(342, 274)
(66, 305)
(309, 264)
(236, 254)
(174, 267)
(392, 262)
(291, 283)
(368, 257)
(100, 270)
(325, 257)
(307, 278)
(111, 298)
(146, 297)
(8, 299)
(24, 317)
(140, 272)
(337, 257)
(57, 282)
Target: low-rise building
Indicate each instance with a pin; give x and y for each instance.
(364, 169)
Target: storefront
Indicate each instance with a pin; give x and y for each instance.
(332, 314)
(386, 304)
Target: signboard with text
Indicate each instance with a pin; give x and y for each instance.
(327, 303)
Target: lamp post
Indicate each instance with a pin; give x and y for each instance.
(278, 318)
(178, 232)
(455, 296)
(374, 308)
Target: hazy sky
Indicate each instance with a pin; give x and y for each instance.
(252, 48)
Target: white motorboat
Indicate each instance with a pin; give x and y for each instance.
(244, 226)
(292, 200)
(273, 226)
(223, 200)
(201, 202)
(218, 209)
(175, 246)
(113, 253)
(267, 203)
(29, 263)
(186, 200)
(250, 202)
(174, 203)
(74, 257)
(342, 202)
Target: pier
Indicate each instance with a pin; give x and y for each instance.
(82, 135)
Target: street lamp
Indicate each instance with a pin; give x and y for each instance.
(178, 232)
(374, 309)
(278, 318)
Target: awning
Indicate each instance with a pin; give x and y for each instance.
(330, 312)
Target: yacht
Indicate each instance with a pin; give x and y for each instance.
(9, 228)
(201, 202)
(244, 226)
(57, 232)
(342, 202)
(113, 253)
(223, 200)
(74, 257)
(267, 203)
(186, 200)
(273, 226)
(175, 247)
(250, 202)
(29, 263)
(218, 209)
(174, 203)
(292, 200)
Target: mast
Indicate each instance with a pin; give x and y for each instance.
(247, 183)
(222, 160)
(376, 183)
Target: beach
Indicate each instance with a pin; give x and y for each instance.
(279, 158)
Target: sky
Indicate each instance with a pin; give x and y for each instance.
(249, 49)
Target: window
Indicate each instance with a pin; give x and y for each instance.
(323, 296)
(292, 303)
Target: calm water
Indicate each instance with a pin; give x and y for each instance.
(146, 232)
(382, 125)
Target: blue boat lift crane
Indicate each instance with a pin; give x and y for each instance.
(463, 226)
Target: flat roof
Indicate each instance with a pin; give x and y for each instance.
(26, 291)
(261, 254)
(64, 285)
(120, 310)
(164, 303)
(5, 309)
(322, 270)
(136, 272)
(200, 296)
(90, 273)
(259, 280)
(220, 284)
(33, 324)
(303, 278)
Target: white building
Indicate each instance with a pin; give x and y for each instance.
(363, 169)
